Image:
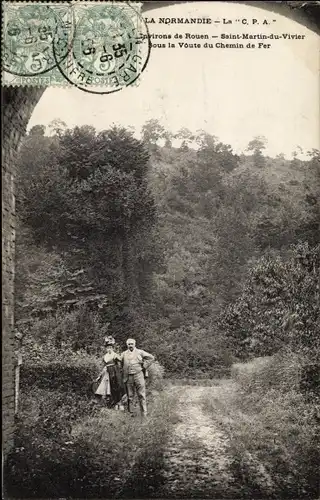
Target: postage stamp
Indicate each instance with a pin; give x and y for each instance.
(99, 47)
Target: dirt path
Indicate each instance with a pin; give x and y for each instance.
(196, 460)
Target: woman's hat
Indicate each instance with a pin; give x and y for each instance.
(109, 340)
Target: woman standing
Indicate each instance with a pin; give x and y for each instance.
(111, 384)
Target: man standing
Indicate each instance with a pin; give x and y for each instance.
(133, 364)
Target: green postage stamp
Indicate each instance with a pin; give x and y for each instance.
(99, 47)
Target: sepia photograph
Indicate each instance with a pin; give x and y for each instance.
(160, 250)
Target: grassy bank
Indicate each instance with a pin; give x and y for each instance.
(272, 430)
(83, 450)
(69, 445)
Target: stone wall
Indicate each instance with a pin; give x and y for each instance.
(18, 105)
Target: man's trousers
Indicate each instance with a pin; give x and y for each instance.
(137, 383)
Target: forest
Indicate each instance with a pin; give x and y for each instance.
(210, 259)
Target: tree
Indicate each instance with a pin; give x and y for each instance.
(90, 202)
(257, 145)
(215, 153)
(152, 131)
(57, 127)
(37, 153)
(100, 180)
(295, 161)
(310, 230)
(300, 150)
(37, 130)
(186, 137)
(168, 136)
(227, 158)
(314, 154)
(279, 306)
(204, 139)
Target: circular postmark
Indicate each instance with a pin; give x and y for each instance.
(29, 33)
(110, 48)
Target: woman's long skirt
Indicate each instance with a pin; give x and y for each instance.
(116, 384)
(104, 387)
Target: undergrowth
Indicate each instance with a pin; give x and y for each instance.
(74, 448)
(273, 435)
(68, 444)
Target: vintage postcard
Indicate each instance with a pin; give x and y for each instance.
(161, 249)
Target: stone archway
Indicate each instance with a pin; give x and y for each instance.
(18, 107)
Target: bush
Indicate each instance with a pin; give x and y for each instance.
(155, 377)
(277, 372)
(272, 428)
(69, 447)
(47, 367)
(279, 306)
(188, 352)
(280, 432)
(80, 329)
(62, 369)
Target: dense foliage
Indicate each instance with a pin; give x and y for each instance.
(166, 243)
(69, 446)
(86, 217)
(279, 306)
